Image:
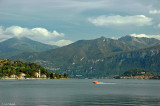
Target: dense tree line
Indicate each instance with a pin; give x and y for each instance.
(8, 67)
(136, 72)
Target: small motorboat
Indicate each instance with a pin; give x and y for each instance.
(95, 82)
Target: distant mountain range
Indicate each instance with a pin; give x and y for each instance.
(139, 43)
(100, 57)
(14, 46)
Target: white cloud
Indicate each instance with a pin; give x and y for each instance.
(117, 20)
(15, 31)
(1, 30)
(147, 36)
(154, 11)
(159, 25)
(34, 33)
(19, 32)
(38, 34)
(61, 42)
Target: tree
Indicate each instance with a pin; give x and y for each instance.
(1, 75)
(51, 76)
(8, 68)
(65, 75)
(135, 72)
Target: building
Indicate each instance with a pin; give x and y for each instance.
(43, 76)
(12, 76)
(37, 74)
(21, 76)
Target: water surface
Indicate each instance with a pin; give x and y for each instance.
(79, 92)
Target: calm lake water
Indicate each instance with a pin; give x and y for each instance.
(79, 92)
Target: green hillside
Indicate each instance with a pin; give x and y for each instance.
(99, 57)
(15, 46)
(21, 70)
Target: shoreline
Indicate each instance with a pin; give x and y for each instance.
(27, 78)
(20, 78)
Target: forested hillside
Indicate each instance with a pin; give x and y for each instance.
(19, 70)
(100, 57)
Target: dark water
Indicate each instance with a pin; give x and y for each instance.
(79, 92)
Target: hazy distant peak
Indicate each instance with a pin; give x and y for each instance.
(126, 38)
(139, 42)
(102, 37)
(17, 45)
(18, 38)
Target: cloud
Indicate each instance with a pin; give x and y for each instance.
(20, 32)
(61, 42)
(117, 20)
(159, 25)
(1, 30)
(38, 34)
(146, 36)
(59, 4)
(154, 11)
(17, 31)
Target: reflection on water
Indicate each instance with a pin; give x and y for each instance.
(79, 92)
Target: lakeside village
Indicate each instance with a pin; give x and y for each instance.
(137, 74)
(19, 70)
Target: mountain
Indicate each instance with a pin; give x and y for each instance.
(139, 42)
(147, 59)
(99, 57)
(15, 46)
(86, 49)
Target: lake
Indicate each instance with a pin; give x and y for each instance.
(79, 92)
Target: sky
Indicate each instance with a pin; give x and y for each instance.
(61, 22)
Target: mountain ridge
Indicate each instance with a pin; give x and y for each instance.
(139, 42)
(99, 57)
(14, 46)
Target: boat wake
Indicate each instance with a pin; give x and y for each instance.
(96, 82)
(105, 83)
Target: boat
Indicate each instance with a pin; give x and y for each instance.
(95, 82)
